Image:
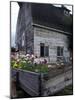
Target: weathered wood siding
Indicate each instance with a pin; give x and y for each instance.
(40, 84)
(51, 38)
(20, 28)
(29, 81)
(25, 28)
(57, 83)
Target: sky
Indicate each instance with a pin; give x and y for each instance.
(68, 6)
(14, 15)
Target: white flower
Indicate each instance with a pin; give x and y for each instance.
(27, 55)
(23, 56)
(24, 61)
(18, 60)
(27, 58)
(37, 61)
(17, 55)
(32, 56)
(29, 61)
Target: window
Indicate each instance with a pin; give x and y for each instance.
(44, 50)
(66, 13)
(59, 51)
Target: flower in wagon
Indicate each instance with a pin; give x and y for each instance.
(27, 57)
(32, 57)
(15, 65)
(29, 63)
(12, 57)
(36, 61)
(17, 55)
(22, 64)
(41, 61)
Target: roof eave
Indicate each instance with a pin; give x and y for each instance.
(53, 29)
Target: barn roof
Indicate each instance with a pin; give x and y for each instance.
(52, 16)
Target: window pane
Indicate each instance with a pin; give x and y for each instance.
(42, 49)
(58, 51)
(61, 51)
(46, 51)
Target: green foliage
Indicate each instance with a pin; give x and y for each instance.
(27, 65)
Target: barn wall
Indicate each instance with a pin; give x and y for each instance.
(24, 30)
(51, 38)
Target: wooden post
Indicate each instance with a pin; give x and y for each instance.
(40, 84)
(13, 88)
(17, 80)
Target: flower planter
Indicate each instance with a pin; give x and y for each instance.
(29, 81)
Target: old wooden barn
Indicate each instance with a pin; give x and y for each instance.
(44, 30)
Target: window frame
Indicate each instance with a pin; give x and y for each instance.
(45, 54)
(60, 51)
